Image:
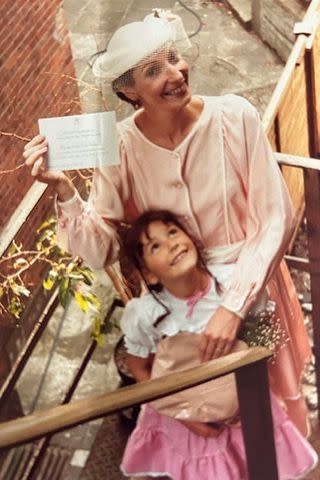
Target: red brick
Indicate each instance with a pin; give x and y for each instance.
(33, 85)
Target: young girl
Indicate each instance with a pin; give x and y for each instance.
(183, 293)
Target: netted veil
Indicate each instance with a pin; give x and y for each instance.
(145, 44)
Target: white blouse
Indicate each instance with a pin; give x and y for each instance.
(222, 181)
(186, 315)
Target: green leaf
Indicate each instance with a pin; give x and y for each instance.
(15, 307)
(88, 276)
(39, 246)
(48, 283)
(12, 249)
(75, 276)
(81, 301)
(93, 299)
(64, 291)
(19, 289)
(49, 223)
(96, 333)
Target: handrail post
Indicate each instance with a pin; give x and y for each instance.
(256, 420)
(312, 210)
(43, 444)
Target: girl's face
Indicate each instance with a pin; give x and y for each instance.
(168, 253)
(161, 81)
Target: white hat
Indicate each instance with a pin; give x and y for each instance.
(130, 45)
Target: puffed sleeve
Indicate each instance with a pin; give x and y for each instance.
(270, 216)
(87, 229)
(140, 336)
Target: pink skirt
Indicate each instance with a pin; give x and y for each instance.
(287, 369)
(162, 446)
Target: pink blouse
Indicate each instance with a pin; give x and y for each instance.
(222, 181)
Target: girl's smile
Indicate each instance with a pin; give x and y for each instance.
(178, 257)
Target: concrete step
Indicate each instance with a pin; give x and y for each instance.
(15, 463)
(242, 10)
(272, 20)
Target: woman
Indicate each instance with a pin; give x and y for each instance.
(208, 160)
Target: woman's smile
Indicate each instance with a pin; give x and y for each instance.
(178, 91)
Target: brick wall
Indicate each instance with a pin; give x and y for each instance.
(35, 69)
(34, 55)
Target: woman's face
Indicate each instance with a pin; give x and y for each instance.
(168, 253)
(162, 81)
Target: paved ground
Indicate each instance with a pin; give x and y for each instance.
(229, 59)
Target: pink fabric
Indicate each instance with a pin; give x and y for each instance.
(192, 301)
(218, 180)
(286, 371)
(160, 444)
(225, 185)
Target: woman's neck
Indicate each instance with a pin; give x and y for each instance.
(168, 128)
(189, 284)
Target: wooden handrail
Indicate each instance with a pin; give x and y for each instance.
(27, 204)
(297, 161)
(283, 83)
(63, 417)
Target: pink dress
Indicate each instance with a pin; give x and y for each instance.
(224, 184)
(161, 445)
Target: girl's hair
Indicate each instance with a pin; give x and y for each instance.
(132, 247)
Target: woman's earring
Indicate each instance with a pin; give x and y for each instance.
(137, 105)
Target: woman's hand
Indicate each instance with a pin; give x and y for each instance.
(219, 335)
(35, 159)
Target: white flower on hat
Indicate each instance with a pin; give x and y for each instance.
(181, 37)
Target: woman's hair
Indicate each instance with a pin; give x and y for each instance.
(132, 247)
(125, 80)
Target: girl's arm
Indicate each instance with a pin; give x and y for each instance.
(139, 336)
(140, 367)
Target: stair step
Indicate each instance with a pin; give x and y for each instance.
(242, 10)
(16, 461)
